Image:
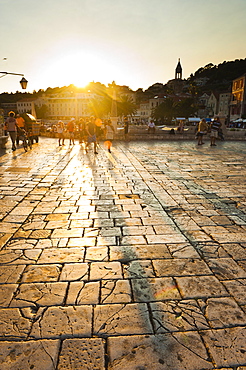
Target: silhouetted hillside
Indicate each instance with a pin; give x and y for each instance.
(220, 76)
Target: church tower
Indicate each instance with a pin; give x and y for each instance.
(178, 71)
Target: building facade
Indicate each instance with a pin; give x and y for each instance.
(213, 104)
(238, 98)
(224, 105)
(60, 106)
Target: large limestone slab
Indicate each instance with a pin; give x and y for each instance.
(237, 289)
(8, 227)
(230, 237)
(105, 270)
(10, 274)
(96, 254)
(6, 294)
(19, 257)
(115, 291)
(38, 355)
(42, 294)
(83, 293)
(179, 351)
(65, 233)
(168, 238)
(63, 322)
(78, 354)
(227, 346)
(172, 316)
(224, 312)
(183, 250)
(62, 255)
(138, 269)
(200, 287)
(13, 325)
(226, 268)
(120, 319)
(135, 252)
(181, 267)
(154, 289)
(41, 273)
(74, 271)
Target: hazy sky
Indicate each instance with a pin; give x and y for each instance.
(134, 42)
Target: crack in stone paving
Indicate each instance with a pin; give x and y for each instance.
(111, 290)
(110, 320)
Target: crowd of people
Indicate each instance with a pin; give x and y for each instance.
(87, 130)
(90, 130)
(214, 128)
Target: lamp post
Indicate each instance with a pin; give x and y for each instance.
(23, 81)
(113, 115)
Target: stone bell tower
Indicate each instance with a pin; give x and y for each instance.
(178, 71)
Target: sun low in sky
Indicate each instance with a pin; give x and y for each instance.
(134, 43)
(83, 65)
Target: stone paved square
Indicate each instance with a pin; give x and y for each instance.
(134, 259)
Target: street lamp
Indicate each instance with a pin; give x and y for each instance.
(23, 81)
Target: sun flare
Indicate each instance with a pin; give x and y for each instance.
(80, 68)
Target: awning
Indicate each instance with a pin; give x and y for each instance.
(194, 119)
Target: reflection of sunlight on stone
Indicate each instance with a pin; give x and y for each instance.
(164, 292)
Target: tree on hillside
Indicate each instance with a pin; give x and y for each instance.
(166, 110)
(42, 112)
(186, 107)
(126, 106)
(100, 107)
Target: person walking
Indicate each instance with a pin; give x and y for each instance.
(126, 128)
(11, 127)
(21, 124)
(109, 134)
(201, 130)
(81, 130)
(215, 127)
(91, 134)
(71, 129)
(60, 131)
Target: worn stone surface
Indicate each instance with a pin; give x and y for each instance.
(78, 354)
(10, 274)
(13, 324)
(172, 316)
(121, 319)
(41, 273)
(200, 286)
(74, 272)
(177, 351)
(62, 322)
(41, 294)
(29, 355)
(181, 267)
(224, 312)
(154, 289)
(227, 346)
(115, 291)
(134, 259)
(83, 293)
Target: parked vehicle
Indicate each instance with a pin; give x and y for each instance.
(32, 127)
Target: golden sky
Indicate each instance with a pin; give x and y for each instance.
(133, 42)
